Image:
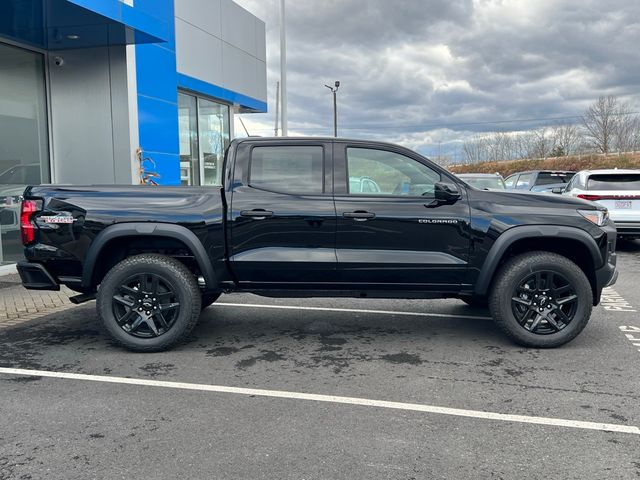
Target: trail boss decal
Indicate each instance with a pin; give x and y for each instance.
(60, 218)
(438, 221)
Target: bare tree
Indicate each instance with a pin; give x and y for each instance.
(542, 143)
(600, 123)
(627, 125)
(566, 138)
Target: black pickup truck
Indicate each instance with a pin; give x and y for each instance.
(310, 217)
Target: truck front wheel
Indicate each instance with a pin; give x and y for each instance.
(541, 299)
(148, 303)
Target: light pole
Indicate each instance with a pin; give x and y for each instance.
(283, 70)
(334, 90)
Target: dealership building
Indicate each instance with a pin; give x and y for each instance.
(84, 84)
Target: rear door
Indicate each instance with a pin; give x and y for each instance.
(397, 236)
(282, 215)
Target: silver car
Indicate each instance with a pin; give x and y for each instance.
(617, 190)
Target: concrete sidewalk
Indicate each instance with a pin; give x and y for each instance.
(18, 305)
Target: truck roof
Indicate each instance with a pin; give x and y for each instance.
(317, 139)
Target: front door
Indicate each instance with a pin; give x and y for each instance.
(282, 216)
(391, 231)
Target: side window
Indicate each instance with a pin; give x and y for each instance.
(510, 181)
(524, 181)
(379, 172)
(290, 169)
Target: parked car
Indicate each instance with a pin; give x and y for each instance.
(286, 223)
(542, 181)
(617, 190)
(363, 185)
(484, 181)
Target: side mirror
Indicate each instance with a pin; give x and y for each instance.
(446, 192)
(557, 190)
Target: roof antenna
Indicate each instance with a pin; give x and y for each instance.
(244, 126)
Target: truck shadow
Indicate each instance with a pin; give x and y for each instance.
(249, 337)
(631, 246)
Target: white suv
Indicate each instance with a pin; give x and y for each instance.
(618, 190)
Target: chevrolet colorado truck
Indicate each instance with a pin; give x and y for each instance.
(287, 221)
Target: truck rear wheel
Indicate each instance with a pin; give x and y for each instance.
(148, 303)
(541, 300)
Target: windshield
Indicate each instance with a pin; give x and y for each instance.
(548, 178)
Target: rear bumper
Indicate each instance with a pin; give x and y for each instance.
(628, 228)
(35, 276)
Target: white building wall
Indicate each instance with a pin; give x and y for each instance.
(220, 43)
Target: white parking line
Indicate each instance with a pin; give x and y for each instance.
(416, 407)
(350, 310)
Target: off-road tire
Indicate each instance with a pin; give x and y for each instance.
(516, 270)
(185, 288)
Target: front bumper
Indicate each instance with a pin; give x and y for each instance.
(608, 273)
(35, 276)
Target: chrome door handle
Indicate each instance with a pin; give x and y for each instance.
(359, 215)
(256, 214)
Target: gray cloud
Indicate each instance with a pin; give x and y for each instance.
(408, 67)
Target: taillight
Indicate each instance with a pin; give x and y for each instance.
(27, 228)
(592, 198)
(595, 198)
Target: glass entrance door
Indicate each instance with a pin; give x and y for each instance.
(24, 153)
(204, 137)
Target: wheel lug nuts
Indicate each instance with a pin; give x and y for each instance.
(139, 309)
(148, 313)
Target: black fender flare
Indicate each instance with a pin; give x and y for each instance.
(177, 232)
(507, 238)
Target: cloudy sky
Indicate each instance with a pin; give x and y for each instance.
(430, 73)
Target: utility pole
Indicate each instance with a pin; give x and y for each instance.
(283, 69)
(277, 106)
(334, 90)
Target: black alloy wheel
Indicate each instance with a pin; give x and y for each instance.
(541, 299)
(146, 305)
(544, 302)
(149, 302)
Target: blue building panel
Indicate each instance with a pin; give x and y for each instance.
(158, 96)
(246, 103)
(156, 72)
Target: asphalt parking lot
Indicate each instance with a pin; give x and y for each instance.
(464, 396)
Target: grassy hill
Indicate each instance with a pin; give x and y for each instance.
(576, 163)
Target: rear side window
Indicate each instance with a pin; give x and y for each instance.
(622, 181)
(548, 178)
(290, 169)
(524, 181)
(510, 182)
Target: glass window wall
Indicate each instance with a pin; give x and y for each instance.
(24, 156)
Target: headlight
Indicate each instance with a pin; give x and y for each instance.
(599, 217)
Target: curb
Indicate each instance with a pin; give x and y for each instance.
(8, 270)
